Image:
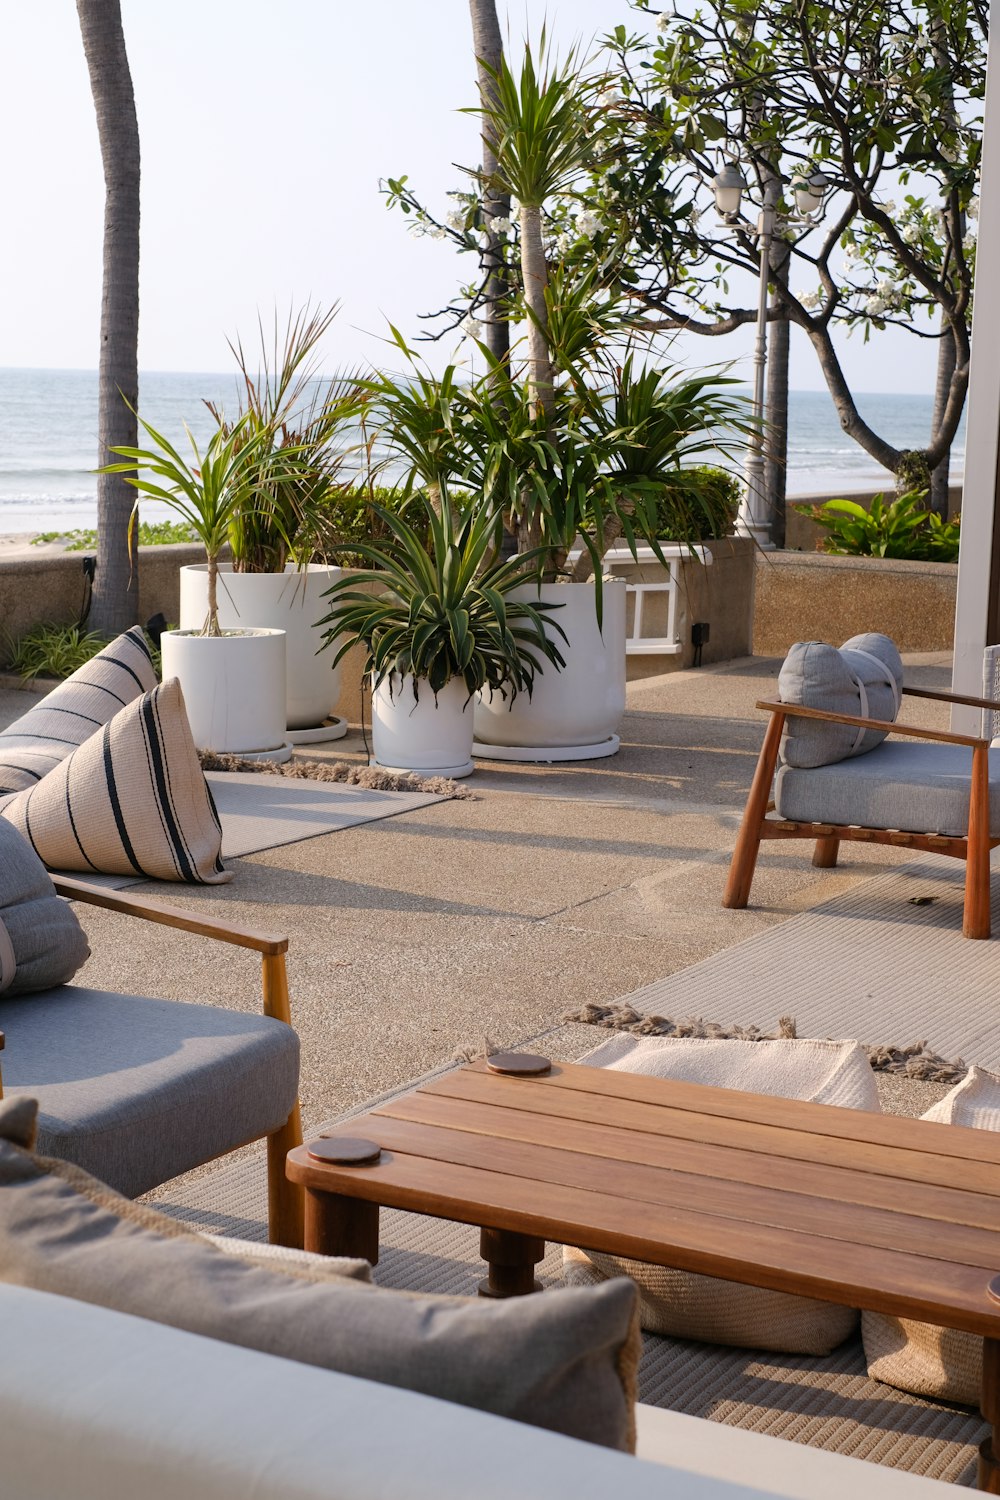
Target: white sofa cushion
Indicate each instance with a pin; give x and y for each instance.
(163, 1413)
(684, 1304)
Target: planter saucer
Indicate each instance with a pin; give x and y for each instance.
(278, 755)
(331, 729)
(455, 773)
(548, 755)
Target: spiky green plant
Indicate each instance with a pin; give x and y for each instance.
(445, 611)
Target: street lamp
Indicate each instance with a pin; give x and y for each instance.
(809, 189)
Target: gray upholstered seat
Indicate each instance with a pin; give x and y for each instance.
(905, 784)
(136, 1090)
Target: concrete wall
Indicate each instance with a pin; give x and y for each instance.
(805, 596)
(49, 589)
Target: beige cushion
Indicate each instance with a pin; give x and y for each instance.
(41, 942)
(75, 710)
(920, 1357)
(684, 1304)
(565, 1361)
(132, 800)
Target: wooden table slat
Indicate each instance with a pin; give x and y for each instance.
(770, 1139)
(609, 1086)
(784, 1260)
(836, 1184)
(560, 1165)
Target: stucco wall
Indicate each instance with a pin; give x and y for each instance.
(805, 596)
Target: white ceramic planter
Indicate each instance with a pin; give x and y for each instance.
(413, 732)
(293, 602)
(573, 714)
(234, 689)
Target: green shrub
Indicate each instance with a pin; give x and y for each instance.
(53, 650)
(698, 505)
(348, 517)
(903, 528)
(151, 534)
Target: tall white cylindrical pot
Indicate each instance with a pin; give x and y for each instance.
(291, 601)
(233, 686)
(413, 731)
(574, 713)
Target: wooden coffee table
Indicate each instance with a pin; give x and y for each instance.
(893, 1215)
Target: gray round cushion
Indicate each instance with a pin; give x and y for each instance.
(864, 677)
(41, 942)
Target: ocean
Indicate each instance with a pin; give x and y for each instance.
(48, 440)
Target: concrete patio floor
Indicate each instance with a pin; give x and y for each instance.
(557, 885)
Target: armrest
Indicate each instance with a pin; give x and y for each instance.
(913, 692)
(797, 711)
(168, 916)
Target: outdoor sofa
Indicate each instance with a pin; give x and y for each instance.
(98, 1405)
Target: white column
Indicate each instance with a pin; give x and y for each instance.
(980, 515)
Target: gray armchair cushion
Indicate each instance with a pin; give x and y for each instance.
(41, 942)
(137, 1091)
(864, 677)
(905, 784)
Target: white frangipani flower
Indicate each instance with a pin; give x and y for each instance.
(588, 223)
(889, 206)
(563, 244)
(810, 300)
(501, 225)
(969, 241)
(437, 233)
(911, 234)
(455, 219)
(850, 253)
(875, 306)
(662, 22)
(609, 97)
(886, 287)
(973, 209)
(471, 327)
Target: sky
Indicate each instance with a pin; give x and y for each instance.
(265, 129)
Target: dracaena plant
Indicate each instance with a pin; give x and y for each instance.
(206, 491)
(447, 610)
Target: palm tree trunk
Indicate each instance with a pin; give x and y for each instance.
(116, 586)
(940, 475)
(535, 274)
(487, 44)
(776, 404)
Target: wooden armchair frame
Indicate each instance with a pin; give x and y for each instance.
(285, 1200)
(974, 847)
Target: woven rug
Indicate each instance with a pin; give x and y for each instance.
(827, 1403)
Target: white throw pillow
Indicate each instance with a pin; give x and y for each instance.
(920, 1357)
(683, 1304)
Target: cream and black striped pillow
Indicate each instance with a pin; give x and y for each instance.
(131, 800)
(75, 710)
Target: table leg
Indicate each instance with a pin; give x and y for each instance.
(989, 1456)
(337, 1225)
(511, 1259)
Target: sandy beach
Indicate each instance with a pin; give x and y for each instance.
(19, 544)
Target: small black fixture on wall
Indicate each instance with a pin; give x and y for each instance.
(700, 633)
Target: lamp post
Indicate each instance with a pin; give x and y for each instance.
(809, 190)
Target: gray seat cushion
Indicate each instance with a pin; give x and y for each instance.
(137, 1091)
(905, 784)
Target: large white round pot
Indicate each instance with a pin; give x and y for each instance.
(291, 601)
(573, 713)
(234, 688)
(413, 731)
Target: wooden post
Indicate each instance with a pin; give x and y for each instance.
(337, 1225)
(284, 1198)
(825, 853)
(976, 915)
(744, 861)
(511, 1258)
(989, 1466)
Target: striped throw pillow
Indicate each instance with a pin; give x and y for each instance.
(75, 710)
(132, 800)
